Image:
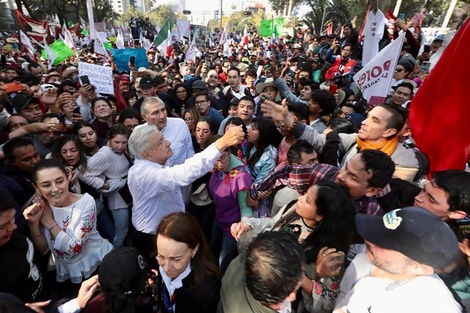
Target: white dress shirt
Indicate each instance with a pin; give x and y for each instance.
(156, 188)
(177, 133)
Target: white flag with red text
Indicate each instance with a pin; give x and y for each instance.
(375, 77)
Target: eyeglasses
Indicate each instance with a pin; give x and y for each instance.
(200, 102)
(399, 70)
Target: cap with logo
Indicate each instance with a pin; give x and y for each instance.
(413, 231)
(146, 82)
(123, 268)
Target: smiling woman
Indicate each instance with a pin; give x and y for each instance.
(65, 224)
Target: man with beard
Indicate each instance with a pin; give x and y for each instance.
(397, 272)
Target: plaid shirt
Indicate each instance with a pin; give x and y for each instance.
(301, 177)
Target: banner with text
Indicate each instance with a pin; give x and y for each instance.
(100, 76)
(375, 77)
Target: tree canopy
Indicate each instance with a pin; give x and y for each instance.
(342, 11)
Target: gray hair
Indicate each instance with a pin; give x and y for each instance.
(139, 141)
(150, 100)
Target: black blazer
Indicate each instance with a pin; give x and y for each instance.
(202, 298)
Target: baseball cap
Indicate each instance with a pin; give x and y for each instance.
(123, 268)
(20, 101)
(413, 231)
(146, 82)
(440, 37)
(198, 85)
(124, 79)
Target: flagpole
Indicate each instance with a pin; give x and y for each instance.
(448, 14)
(91, 19)
(221, 14)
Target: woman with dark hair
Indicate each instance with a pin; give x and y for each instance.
(203, 211)
(322, 220)
(65, 223)
(88, 137)
(70, 151)
(190, 280)
(190, 117)
(107, 172)
(264, 139)
(351, 35)
(181, 96)
(103, 111)
(205, 129)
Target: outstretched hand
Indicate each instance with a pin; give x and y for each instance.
(232, 137)
(275, 111)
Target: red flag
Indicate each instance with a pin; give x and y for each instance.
(439, 111)
(35, 29)
(121, 103)
(75, 30)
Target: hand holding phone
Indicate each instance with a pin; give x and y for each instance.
(85, 80)
(132, 60)
(425, 66)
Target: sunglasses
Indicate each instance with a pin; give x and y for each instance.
(399, 70)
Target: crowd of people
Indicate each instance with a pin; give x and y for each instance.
(252, 178)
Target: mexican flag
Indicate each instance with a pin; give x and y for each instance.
(163, 34)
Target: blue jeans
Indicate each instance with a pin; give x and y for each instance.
(121, 224)
(223, 246)
(105, 225)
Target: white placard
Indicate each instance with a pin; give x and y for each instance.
(100, 76)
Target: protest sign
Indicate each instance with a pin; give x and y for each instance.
(100, 76)
(121, 58)
(375, 77)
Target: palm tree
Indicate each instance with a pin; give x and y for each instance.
(315, 16)
(340, 14)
